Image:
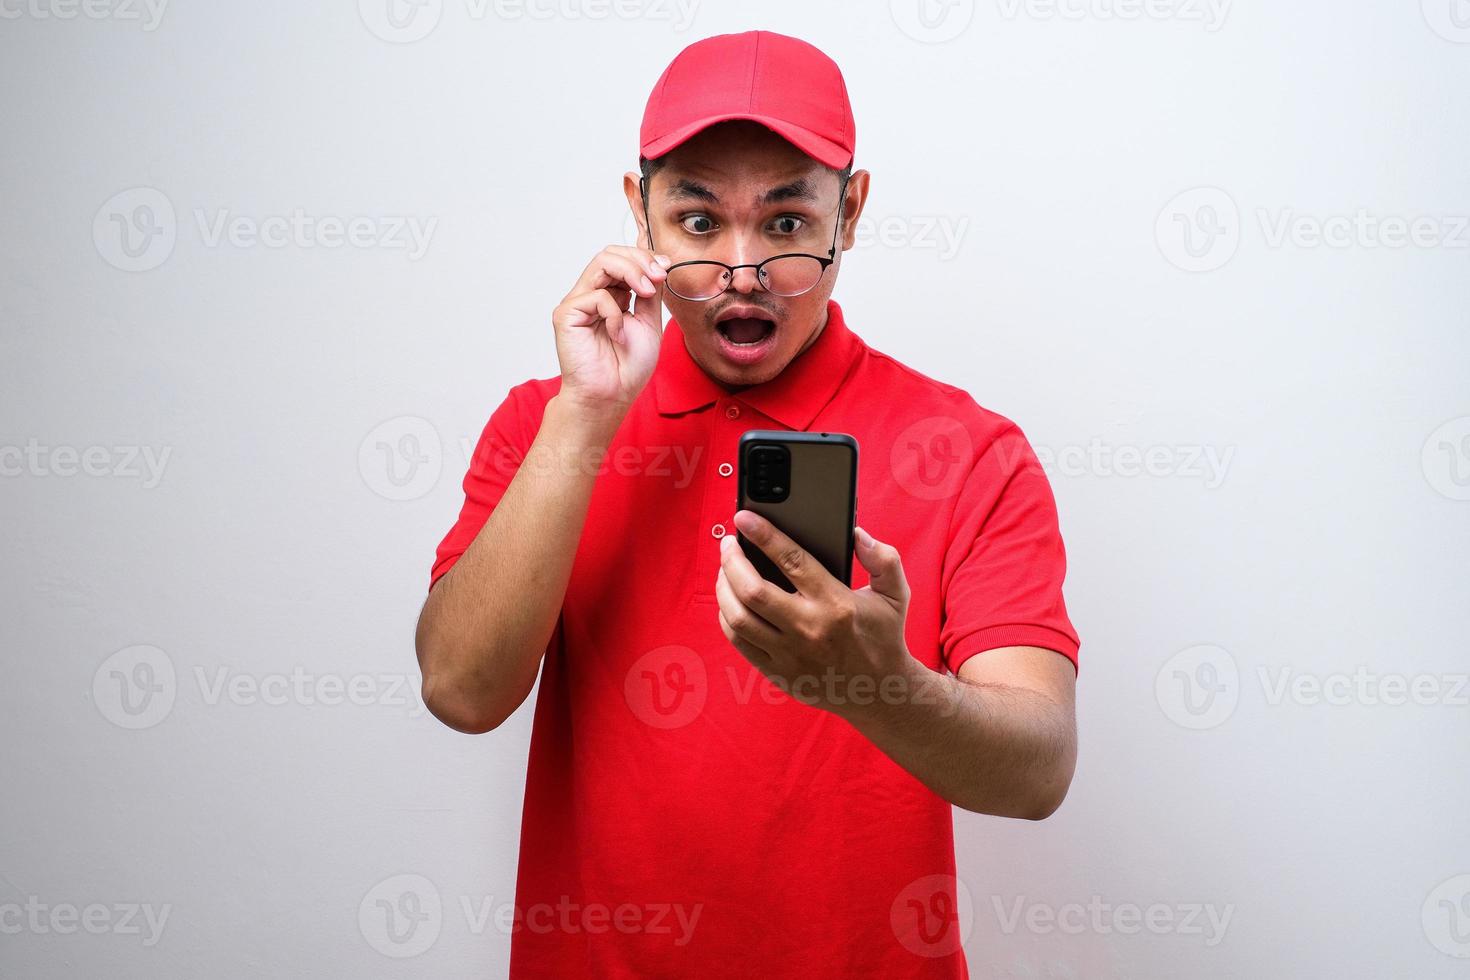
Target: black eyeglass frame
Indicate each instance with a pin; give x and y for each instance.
(830, 258)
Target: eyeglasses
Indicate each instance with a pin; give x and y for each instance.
(788, 274)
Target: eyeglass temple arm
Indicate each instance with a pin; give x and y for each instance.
(647, 222)
(841, 213)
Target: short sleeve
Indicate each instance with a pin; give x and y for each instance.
(503, 444)
(1004, 560)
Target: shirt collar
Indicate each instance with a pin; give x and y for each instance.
(793, 397)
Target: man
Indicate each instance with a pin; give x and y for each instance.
(727, 779)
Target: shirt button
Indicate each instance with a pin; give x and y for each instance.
(726, 469)
(718, 531)
(733, 412)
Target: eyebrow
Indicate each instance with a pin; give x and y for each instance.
(798, 190)
(687, 188)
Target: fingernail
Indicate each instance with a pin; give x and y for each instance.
(663, 260)
(726, 542)
(865, 538)
(647, 283)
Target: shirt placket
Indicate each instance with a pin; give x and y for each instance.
(730, 420)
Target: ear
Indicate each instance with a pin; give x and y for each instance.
(852, 206)
(633, 192)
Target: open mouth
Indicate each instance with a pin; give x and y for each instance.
(746, 334)
(746, 331)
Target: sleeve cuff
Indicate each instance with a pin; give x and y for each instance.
(442, 566)
(1023, 635)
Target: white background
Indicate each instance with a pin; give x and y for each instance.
(1131, 191)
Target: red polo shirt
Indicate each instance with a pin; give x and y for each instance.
(685, 818)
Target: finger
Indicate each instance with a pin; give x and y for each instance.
(608, 268)
(650, 310)
(589, 309)
(613, 265)
(805, 572)
(884, 566)
(759, 658)
(748, 625)
(766, 599)
(655, 264)
(647, 307)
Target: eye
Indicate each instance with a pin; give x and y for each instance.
(697, 224)
(788, 224)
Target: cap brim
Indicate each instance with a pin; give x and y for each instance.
(817, 147)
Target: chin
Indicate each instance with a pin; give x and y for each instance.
(738, 375)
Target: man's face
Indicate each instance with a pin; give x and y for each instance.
(738, 193)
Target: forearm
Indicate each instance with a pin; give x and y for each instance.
(989, 748)
(486, 623)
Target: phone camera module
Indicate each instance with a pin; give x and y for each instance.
(770, 474)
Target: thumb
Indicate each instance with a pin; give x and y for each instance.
(650, 309)
(643, 330)
(884, 567)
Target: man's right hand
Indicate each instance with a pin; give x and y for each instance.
(608, 353)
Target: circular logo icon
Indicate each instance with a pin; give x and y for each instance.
(667, 687)
(400, 21)
(1198, 687)
(1199, 230)
(401, 459)
(135, 230)
(1450, 19)
(932, 21)
(1446, 458)
(135, 687)
(1446, 916)
(401, 916)
(930, 458)
(933, 915)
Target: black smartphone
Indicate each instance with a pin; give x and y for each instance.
(805, 483)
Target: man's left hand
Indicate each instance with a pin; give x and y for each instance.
(826, 645)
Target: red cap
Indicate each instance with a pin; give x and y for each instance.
(781, 82)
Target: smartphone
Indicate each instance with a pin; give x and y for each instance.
(805, 483)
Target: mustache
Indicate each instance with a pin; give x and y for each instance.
(713, 316)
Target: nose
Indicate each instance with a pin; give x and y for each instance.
(744, 280)
(746, 249)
